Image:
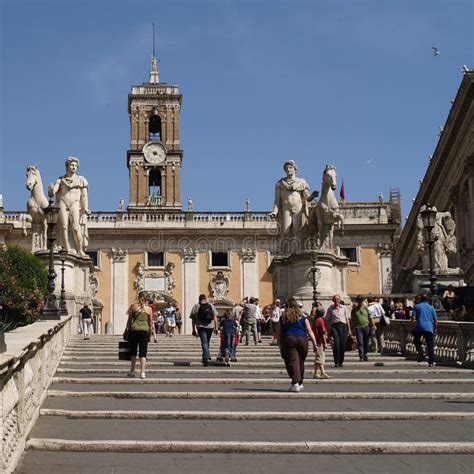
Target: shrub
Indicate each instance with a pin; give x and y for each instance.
(23, 287)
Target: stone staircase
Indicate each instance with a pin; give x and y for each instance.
(385, 415)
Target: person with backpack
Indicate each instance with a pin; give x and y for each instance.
(204, 320)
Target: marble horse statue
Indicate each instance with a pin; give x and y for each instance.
(35, 206)
(325, 213)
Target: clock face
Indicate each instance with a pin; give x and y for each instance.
(154, 153)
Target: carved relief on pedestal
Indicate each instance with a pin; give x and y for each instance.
(219, 285)
(309, 275)
(118, 254)
(248, 255)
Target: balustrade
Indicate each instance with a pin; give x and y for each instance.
(26, 370)
(454, 341)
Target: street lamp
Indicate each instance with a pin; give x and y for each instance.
(62, 301)
(314, 273)
(51, 310)
(428, 217)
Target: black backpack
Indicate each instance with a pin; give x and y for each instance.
(205, 313)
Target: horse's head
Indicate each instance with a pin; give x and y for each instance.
(32, 177)
(329, 177)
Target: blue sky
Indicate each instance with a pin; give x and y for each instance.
(341, 82)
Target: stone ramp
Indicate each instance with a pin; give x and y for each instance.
(243, 419)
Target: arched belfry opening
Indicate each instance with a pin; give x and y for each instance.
(154, 128)
(154, 184)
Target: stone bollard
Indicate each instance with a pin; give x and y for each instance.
(109, 328)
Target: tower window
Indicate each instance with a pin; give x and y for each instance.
(154, 186)
(154, 128)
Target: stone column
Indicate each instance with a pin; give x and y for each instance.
(119, 304)
(249, 273)
(190, 286)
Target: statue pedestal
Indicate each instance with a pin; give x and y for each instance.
(292, 277)
(76, 281)
(420, 279)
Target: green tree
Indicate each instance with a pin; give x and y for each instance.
(23, 287)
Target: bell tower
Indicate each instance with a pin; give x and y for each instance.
(155, 156)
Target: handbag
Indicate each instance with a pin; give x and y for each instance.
(125, 334)
(124, 350)
(351, 343)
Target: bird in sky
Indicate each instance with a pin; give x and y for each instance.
(368, 161)
(435, 51)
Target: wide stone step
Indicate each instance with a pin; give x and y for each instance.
(323, 392)
(211, 405)
(261, 381)
(67, 462)
(261, 415)
(222, 372)
(162, 431)
(242, 361)
(235, 369)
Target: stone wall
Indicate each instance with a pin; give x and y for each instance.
(26, 370)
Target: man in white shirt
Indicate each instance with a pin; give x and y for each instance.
(338, 319)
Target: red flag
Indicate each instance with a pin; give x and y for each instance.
(342, 194)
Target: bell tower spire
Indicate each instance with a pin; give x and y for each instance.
(154, 75)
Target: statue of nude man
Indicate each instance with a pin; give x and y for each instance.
(291, 205)
(72, 199)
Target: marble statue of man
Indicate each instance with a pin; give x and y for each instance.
(291, 206)
(71, 191)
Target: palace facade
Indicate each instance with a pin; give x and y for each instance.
(176, 254)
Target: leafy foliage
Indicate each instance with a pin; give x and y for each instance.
(23, 287)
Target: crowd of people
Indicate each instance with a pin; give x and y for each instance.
(360, 325)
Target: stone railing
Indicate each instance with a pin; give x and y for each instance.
(365, 212)
(454, 341)
(26, 369)
(354, 213)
